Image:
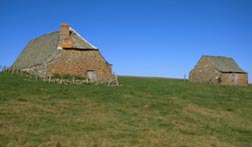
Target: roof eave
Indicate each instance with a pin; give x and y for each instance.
(241, 72)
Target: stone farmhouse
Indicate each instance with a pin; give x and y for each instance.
(218, 70)
(63, 52)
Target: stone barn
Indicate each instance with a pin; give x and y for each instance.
(63, 52)
(218, 70)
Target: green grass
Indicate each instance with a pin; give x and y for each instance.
(141, 112)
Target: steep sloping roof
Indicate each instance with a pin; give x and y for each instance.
(44, 48)
(224, 64)
(38, 51)
(80, 42)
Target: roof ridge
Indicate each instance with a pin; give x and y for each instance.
(217, 56)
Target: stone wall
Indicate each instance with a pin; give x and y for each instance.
(78, 62)
(39, 70)
(204, 72)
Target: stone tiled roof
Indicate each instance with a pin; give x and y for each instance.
(80, 42)
(224, 64)
(44, 48)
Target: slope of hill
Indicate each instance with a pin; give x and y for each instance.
(141, 112)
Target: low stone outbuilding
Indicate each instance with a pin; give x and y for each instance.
(218, 70)
(63, 52)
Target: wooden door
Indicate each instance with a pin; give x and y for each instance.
(91, 76)
(236, 79)
(233, 79)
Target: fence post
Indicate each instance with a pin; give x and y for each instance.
(36, 75)
(61, 80)
(12, 70)
(73, 80)
(46, 72)
(49, 80)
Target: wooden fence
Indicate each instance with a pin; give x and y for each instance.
(60, 79)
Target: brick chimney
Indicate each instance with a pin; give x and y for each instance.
(65, 38)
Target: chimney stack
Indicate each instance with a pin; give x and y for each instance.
(65, 38)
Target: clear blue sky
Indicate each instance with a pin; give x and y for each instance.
(163, 38)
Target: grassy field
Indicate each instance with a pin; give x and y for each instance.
(143, 112)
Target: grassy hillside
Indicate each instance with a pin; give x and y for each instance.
(142, 112)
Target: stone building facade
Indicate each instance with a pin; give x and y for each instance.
(64, 52)
(87, 63)
(218, 70)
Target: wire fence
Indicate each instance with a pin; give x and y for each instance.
(60, 79)
(56, 78)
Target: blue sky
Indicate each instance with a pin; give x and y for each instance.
(162, 38)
